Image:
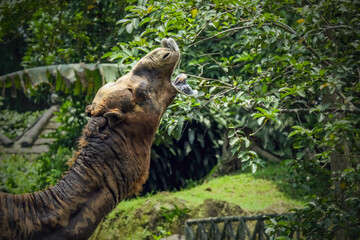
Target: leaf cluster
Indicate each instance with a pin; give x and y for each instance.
(287, 70)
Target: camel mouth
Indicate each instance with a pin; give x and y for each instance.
(179, 83)
(182, 86)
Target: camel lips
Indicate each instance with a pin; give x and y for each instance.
(182, 87)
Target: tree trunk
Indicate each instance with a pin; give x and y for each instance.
(338, 162)
(230, 163)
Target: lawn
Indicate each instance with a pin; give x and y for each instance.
(236, 194)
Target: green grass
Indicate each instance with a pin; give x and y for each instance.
(252, 192)
(244, 190)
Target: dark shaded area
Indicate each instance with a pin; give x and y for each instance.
(172, 168)
(23, 103)
(296, 184)
(11, 53)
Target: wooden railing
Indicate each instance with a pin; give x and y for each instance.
(229, 228)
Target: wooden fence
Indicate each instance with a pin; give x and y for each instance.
(230, 228)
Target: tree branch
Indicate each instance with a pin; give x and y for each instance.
(307, 110)
(266, 154)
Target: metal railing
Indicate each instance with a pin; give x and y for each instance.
(229, 228)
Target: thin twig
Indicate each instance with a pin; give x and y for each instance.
(207, 25)
(262, 125)
(222, 32)
(215, 96)
(209, 79)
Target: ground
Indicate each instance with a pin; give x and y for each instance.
(164, 213)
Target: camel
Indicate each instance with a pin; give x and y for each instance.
(113, 159)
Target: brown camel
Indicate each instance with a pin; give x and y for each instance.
(114, 156)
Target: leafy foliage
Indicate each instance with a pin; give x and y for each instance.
(52, 166)
(72, 117)
(62, 79)
(19, 175)
(287, 70)
(13, 123)
(66, 31)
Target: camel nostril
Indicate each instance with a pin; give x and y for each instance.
(166, 56)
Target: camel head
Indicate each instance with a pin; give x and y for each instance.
(145, 91)
(125, 114)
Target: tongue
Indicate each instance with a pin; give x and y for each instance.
(181, 85)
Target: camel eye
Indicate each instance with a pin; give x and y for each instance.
(131, 91)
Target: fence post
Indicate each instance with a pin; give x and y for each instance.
(201, 232)
(189, 234)
(214, 232)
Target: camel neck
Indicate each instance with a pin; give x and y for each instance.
(100, 178)
(107, 169)
(72, 208)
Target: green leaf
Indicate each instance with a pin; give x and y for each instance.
(129, 28)
(260, 120)
(233, 141)
(253, 167)
(235, 150)
(135, 22)
(231, 133)
(262, 110)
(245, 165)
(191, 136)
(325, 106)
(58, 82)
(301, 92)
(247, 142)
(128, 52)
(125, 20)
(241, 154)
(265, 88)
(145, 20)
(147, 32)
(170, 129)
(179, 127)
(143, 49)
(293, 133)
(77, 87)
(107, 54)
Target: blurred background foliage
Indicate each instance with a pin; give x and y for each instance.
(277, 81)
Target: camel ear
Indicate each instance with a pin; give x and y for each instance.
(88, 110)
(114, 117)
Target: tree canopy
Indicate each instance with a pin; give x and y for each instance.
(286, 72)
